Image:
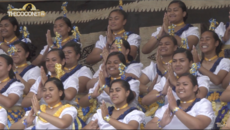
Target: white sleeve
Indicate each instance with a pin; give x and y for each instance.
(225, 64)
(101, 43)
(160, 86)
(26, 39)
(97, 72)
(203, 81)
(205, 108)
(134, 40)
(134, 86)
(157, 32)
(135, 115)
(220, 29)
(3, 117)
(16, 88)
(43, 50)
(135, 69)
(71, 82)
(192, 31)
(85, 72)
(96, 116)
(149, 71)
(160, 112)
(34, 73)
(94, 87)
(72, 111)
(35, 86)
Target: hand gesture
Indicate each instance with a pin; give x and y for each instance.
(104, 109)
(30, 118)
(96, 92)
(44, 78)
(49, 38)
(105, 53)
(196, 58)
(165, 89)
(109, 35)
(101, 78)
(104, 70)
(167, 117)
(166, 23)
(153, 83)
(35, 104)
(171, 99)
(160, 64)
(93, 125)
(39, 93)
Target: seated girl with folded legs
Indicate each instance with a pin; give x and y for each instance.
(120, 45)
(189, 112)
(11, 91)
(54, 115)
(182, 63)
(121, 115)
(55, 61)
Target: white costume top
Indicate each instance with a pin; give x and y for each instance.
(189, 32)
(224, 64)
(3, 117)
(220, 31)
(72, 111)
(15, 88)
(201, 80)
(203, 107)
(151, 72)
(134, 86)
(133, 39)
(28, 40)
(32, 73)
(71, 82)
(134, 115)
(133, 68)
(84, 72)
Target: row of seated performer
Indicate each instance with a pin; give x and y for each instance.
(181, 90)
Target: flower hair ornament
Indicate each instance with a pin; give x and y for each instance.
(195, 67)
(76, 34)
(118, 42)
(11, 50)
(184, 43)
(59, 71)
(122, 68)
(25, 33)
(121, 4)
(63, 7)
(213, 24)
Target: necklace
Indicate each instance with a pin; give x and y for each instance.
(4, 80)
(120, 32)
(20, 66)
(65, 40)
(65, 68)
(179, 24)
(188, 101)
(126, 105)
(10, 40)
(57, 105)
(214, 57)
(165, 63)
(115, 78)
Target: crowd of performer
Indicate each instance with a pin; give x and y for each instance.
(187, 87)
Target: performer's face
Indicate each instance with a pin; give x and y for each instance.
(166, 47)
(4, 68)
(51, 94)
(7, 29)
(20, 56)
(181, 64)
(207, 42)
(116, 21)
(114, 48)
(70, 55)
(118, 94)
(51, 59)
(175, 13)
(112, 66)
(61, 27)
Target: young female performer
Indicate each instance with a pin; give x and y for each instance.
(116, 21)
(121, 116)
(27, 74)
(189, 112)
(177, 15)
(11, 90)
(70, 82)
(155, 71)
(54, 115)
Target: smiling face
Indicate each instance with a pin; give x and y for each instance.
(185, 89)
(207, 42)
(175, 13)
(166, 47)
(181, 64)
(7, 29)
(50, 93)
(112, 66)
(116, 21)
(70, 55)
(61, 27)
(118, 94)
(51, 59)
(20, 56)
(4, 68)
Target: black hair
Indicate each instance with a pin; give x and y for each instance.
(9, 61)
(216, 38)
(127, 46)
(122, 12)
(14, 22)
(58, 84)
(119, 55)
(124, 84)
(28, 47)
(75, 46)
(60, 53)
(192, 79)
(170, 37)
(67, 21)
(187, 52)
(182, 6)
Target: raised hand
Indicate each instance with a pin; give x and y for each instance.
(49, 38)
(93, 125)
(165, 89)
(35, 104)
(166, 23)
(104, 109)
(39, 93)
(167, 117)
(109, 35)
(101, 78)
(171, 99)
(105, 53)
(30, 118)
(196, 58)
(153, 83)
(44, 78)
(96, 92)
